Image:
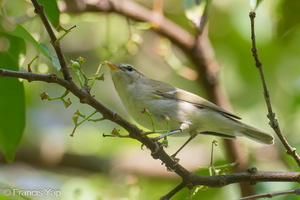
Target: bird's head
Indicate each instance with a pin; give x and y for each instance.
(124, 73)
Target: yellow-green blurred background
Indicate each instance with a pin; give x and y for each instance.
(89, 166)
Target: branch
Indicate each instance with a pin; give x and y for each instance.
(39, 9)
(272, 194)
(271, 115)
(174, 191)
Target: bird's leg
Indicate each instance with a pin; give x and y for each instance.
(164, 143)
(183, 127)
(169, 132)
(190, 139)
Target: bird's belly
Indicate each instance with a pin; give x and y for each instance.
(178, 112)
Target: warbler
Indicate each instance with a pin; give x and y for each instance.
(189, 114)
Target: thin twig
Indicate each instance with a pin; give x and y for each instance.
(174, 191)
(272, 194)
(271, 115)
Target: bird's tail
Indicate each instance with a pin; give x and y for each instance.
(256, 134)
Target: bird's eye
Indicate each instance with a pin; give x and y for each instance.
(129, 68)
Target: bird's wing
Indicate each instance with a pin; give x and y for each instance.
(170, 92)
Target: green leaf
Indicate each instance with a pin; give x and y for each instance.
(53, 57)
(197, 11)
(3, 197)
(51, 11)
(289, 14)
(254, 4)
(194, 9)
(12, 99)
(19, 31)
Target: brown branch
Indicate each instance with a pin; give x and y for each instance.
(257, 176)
(39, 9)
(174, 191)
(272, 194)
(271, 115)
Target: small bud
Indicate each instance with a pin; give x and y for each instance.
(75, 118)
(59, 28)
(67, 103)
(75, 65)
(144, 110)
(115, 132)
(167, 118)
(100, 77)
(44, 95)
(81, 60)
(77, 112)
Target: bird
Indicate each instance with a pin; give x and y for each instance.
(189, 114)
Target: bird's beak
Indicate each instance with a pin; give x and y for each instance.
(111, 66)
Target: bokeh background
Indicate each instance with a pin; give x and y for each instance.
(89, 166)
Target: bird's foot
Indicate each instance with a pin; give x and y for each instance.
(158, 147)
(172, 168)
(176, 160)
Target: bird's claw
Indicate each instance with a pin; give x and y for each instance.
(172, 168)
(176, 160)
(158, 146)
